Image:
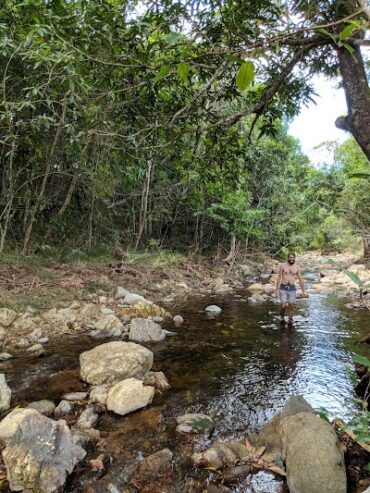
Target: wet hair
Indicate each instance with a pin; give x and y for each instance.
(291, 253)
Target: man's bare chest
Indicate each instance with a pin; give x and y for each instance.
(290, 271)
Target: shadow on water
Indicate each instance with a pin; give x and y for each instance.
(239, 367)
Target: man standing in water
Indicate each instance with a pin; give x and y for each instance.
(285, 286)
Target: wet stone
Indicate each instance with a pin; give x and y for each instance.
(5, 356)
(195, 423)
(153, 474)
(213, 309)
(36, 350)
(87, 419)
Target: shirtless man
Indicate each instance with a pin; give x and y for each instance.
(285, 286)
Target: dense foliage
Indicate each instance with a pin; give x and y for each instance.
(161, 124)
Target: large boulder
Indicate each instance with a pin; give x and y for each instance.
(5, 394)
(114, 361)
(128, 396)
(314, 461)
(143, 330)
(7, 316)
(38, 452)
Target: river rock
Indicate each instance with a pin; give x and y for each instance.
(88, 311)
(44, 407)
(256, 288)
(75, 396)
(143, 330)
(109, 322)
(195, 423)
(213, 309)
(128, 396)
(178, 319)
(2, 333)
(121, 293)
(35, 335)
(314, 461)
(221, 455)
(133, 298)
(7, 316)
(153, 474)
(114, 361)
(5, 394)
(64, 408)
(157, 379)
(36, 350)
(99, 394)
(6, 356)
(38, 452)
(87, 419)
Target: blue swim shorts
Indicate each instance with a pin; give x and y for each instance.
(287, 293)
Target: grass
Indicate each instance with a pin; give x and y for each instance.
(44, 279)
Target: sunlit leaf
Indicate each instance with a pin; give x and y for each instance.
(245, 76)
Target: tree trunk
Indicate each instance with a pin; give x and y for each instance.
(367, 247)
(357, 93)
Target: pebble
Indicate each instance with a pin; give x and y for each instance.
(75, 396)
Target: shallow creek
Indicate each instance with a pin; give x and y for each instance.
(238, 367)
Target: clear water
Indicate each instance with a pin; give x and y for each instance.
(239, 367)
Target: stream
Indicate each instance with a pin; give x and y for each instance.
(238, 367)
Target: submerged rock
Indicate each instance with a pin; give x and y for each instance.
(114, 361)
(153, 474)
(5, 394)
(128, 396)
(195, 423)
(222, 455)
(143, 330)
(38, 452)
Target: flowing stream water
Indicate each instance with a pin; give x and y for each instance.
(239, 367)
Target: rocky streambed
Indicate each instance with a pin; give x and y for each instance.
(119, 395)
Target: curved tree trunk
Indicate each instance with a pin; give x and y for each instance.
(357, 93)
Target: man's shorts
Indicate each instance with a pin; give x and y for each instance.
(287, 293)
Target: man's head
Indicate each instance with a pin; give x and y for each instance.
(291, 258)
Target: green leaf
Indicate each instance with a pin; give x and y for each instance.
(347, 32)
(245, 76)
(172, 37)
(349, 48)
(183, 70)
(163, 71)
(361, 360)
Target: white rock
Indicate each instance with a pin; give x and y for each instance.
(63, 409)
(5, 394)
(213, 309)
(44, 407)
(128, 396)
(7, 316)
(143, 330)
(114, 361)
(132, 299)
(108, 322)
(99, 394)
(2, 333)
(178, 319)
(121, 293)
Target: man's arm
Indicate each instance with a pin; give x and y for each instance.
(301, 283)
(278, 280)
